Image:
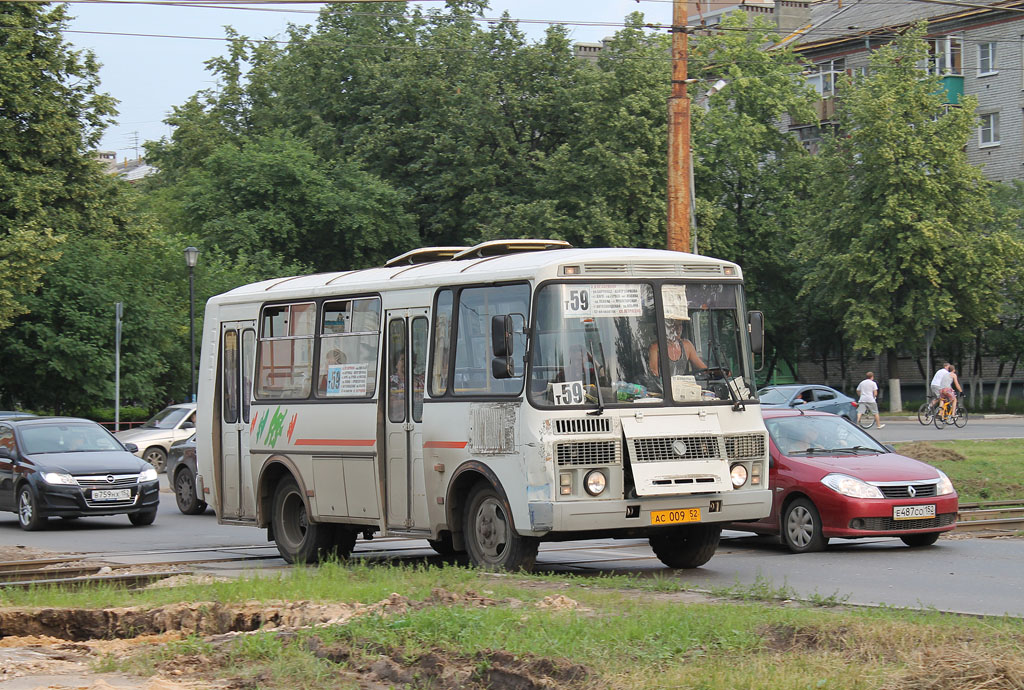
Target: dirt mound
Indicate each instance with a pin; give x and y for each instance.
(926, 452)
(212, 618)
(445, 671)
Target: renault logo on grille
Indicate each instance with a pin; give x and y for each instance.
(911, 491)
(679, 448)
(110, 479)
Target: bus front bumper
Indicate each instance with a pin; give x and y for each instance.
(642, 513)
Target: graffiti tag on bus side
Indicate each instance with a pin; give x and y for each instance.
(273, 424)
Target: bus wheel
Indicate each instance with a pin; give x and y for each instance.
(298, 540)
(491, 540)
(687, 547)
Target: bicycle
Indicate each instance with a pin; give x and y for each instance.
(944, 414)
(926, 413)
(867, 420)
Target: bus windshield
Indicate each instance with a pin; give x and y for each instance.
(638, 343)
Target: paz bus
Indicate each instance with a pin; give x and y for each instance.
(487, 399)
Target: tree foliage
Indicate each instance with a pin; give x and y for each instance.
(50, 115)
(751, 172)
(899, 235)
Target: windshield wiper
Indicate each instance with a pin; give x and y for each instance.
(734, 395)
(857, 449)
(597, 383)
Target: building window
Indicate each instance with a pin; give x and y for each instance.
(986, 58)
(945, 56)
(824, 76)
(988, 130)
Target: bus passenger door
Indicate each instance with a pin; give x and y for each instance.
(405, 366)
(237, 363)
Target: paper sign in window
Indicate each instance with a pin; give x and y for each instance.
(347, 380)
(673, 297)
(602, 301)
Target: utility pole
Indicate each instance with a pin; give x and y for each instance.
(679, 136)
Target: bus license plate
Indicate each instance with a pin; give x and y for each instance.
(913, 512)
(675, 517)
(111, 494)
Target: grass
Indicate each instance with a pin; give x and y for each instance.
(628, 632)
(980, 470)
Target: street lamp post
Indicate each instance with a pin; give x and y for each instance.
(191, 256)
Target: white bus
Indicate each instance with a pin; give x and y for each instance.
(487, 398)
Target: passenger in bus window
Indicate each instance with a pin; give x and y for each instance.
(678, 346)
(334, 356)
(396, 383)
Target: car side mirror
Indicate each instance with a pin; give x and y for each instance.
(798, 401)
(130, 447)
(6, 454)
(188, 425)
(889, 447)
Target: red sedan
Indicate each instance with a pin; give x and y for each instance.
(829, 479)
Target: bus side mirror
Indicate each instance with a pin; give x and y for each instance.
(501, 335)
(755, 324)
(503, 368)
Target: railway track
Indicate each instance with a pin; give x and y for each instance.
(1000, 516)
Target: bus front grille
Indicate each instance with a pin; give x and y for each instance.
(675, 448)
(583, 425)
(746, 446)
(584, 453)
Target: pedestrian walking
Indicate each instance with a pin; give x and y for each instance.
(868, 400)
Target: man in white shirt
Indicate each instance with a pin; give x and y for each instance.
(941, 380)
(868, 400)
(942, 386)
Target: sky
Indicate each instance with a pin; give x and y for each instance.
(149, 74)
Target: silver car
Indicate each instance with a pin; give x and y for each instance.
(154, 438)
(808, 397)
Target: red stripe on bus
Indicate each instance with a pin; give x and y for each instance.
(446, 444)
(334, 442)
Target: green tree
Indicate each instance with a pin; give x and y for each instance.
(898, 236)
(50, 116)
(749, 171)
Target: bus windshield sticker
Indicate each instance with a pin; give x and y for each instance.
(347, 380)
(674, 299)
(568, 393)
(602, 300)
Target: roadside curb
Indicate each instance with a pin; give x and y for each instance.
(909, 418)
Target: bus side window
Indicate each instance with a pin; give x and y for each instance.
(473, 340)
(419, 363)
(286, 351)
(442, 344)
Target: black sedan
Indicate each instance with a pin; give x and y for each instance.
(70, 468)
(808, 397)
(181, 471)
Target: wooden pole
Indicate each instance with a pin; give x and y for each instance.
(679, 137)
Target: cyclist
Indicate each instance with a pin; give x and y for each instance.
(941, 380)
(947, 392)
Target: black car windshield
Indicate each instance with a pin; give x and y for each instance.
(637, 343)
(809, 434)
(774, 396)
(167, 418)
(73, 437)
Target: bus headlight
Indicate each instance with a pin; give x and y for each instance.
(595, 482)
(739, 475)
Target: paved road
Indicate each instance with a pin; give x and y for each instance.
(898, 430)
(971, 575)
